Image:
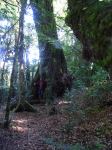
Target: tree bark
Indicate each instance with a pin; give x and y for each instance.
(52, 59)
(22, 105)
(13, 84)
(27, 65)
(93, 29)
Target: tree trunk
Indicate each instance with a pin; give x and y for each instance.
(28, 80)
(13, 84)
(23, 105)
(11, 94)
(52, 59)
(87, 22)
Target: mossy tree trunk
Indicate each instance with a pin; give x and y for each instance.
(13, 84)
(91, 24)
(28, 80)
(52, 59)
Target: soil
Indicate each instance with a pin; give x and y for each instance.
(40, 131)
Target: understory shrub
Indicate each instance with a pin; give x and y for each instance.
(74, 110)
(78, 146)
(99, 94)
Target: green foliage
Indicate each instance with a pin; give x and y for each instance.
(97, 146)
(99, 93)
(104, 129)
(59, 145)
(100, 75)
(74, 111)
(8, 11)
(91, 78)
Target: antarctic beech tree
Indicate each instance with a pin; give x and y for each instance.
(52, 59)
(90, 21)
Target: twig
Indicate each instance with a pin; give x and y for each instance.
(9, 29)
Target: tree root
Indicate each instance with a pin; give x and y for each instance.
(22, 106)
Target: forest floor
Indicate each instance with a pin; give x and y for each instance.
(39, 131)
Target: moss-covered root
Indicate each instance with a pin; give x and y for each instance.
(24, 106)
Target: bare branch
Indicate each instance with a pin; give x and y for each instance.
(9, 29)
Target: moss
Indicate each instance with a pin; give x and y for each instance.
(92, 20)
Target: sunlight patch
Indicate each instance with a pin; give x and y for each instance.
(19, 129)
(64, 102)
(31, 36)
